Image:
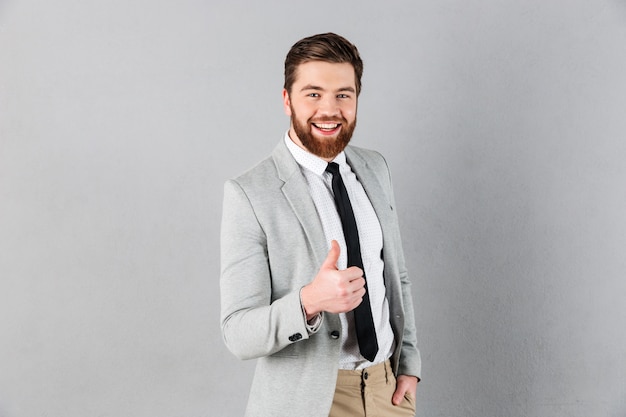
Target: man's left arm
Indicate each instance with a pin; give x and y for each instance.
(409, 367)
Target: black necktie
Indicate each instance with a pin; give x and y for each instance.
(365, 332)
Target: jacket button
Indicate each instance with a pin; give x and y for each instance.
(295, 337)
(334, 334)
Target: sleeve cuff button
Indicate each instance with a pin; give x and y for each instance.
(295, 337)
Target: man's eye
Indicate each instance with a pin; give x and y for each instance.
(314, 95)
(343, 96)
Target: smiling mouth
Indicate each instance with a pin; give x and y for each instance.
(327, 127)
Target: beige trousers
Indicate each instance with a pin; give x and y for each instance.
(367, 393)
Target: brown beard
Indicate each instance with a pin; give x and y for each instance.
(324, 148)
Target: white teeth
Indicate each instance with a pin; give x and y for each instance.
(327, 125)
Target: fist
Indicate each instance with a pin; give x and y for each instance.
(332, 290)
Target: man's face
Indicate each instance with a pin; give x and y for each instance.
(322, 106)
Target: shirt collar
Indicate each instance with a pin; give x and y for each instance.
(309, 161)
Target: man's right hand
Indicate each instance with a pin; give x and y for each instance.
(333, 290)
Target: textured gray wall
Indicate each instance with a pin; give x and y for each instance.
(505, 126)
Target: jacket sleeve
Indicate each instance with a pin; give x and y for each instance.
(410, 362)
(253, 325)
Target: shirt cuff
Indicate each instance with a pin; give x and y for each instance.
(313, 325)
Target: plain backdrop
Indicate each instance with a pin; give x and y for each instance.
(504, 122)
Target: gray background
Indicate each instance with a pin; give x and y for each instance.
(504, 123)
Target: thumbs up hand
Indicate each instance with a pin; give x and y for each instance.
(333, 290)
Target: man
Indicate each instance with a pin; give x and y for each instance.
(313, 281)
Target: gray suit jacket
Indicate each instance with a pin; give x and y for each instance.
(272, 244)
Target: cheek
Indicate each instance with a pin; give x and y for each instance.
(304, 111)
(349, 113)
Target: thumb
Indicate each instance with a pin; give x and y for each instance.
(333, 256)
(398, 396)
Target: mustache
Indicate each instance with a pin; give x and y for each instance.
(339, 120)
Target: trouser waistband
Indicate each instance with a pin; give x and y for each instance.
(375, 374)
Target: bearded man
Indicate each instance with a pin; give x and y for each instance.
(313, 278)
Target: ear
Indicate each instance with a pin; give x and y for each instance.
(286, 103)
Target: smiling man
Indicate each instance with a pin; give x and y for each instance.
(313, 280)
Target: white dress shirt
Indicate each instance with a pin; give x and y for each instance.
(371, 241)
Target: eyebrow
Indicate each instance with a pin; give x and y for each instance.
(318, 88)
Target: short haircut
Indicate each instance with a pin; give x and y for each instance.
(327, 47)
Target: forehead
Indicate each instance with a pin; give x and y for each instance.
(325, 74)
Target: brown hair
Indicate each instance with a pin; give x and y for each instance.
(327, 47)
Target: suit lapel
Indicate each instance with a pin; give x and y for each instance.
(296, 191)
(378, 195)
(372, 186)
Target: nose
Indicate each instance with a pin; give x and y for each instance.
(328, 107)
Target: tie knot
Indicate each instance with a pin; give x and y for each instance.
(333, 168)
